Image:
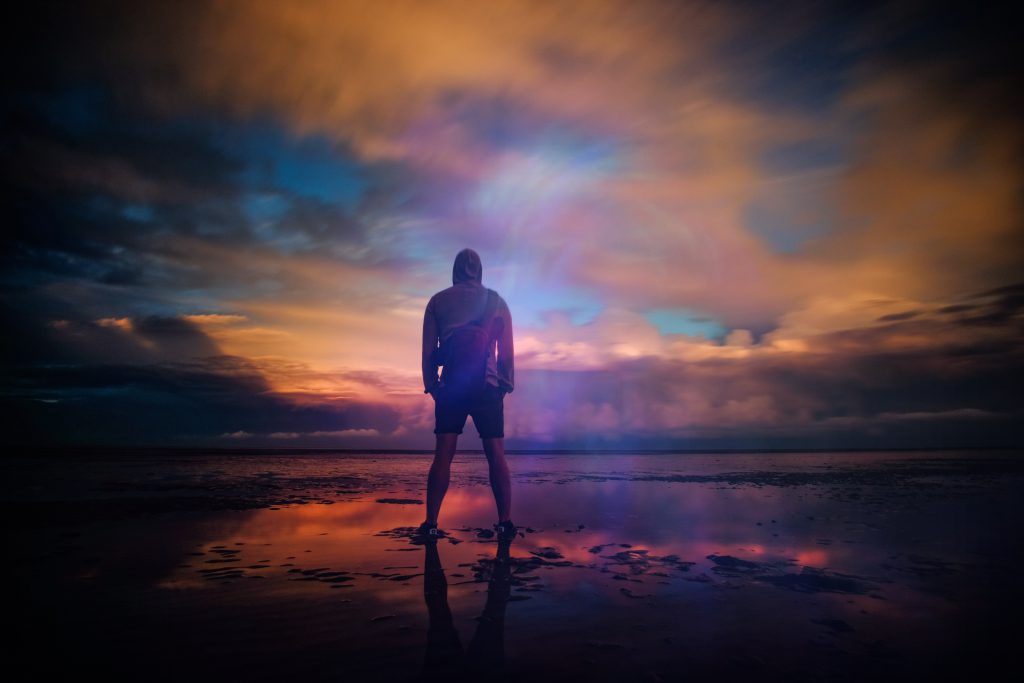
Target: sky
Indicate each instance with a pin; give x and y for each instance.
(722, 225)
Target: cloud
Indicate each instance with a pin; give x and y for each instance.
(946, 370)
(562, 125)
(162, 380)
(930, 205)
(147, 339)
(174, 403)
(558, 121)
(375, 71)
(245, 206)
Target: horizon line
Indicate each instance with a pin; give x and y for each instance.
(255, 450)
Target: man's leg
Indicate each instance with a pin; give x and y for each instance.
(440, 474)
(501, 482)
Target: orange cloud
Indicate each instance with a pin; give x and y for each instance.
(603, 151)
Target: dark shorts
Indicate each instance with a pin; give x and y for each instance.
(487, 411)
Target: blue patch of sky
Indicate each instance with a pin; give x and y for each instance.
(685, 321)
(534, 306)
(140, 213)
(311, 166)
(263, 207)
(265, 210)
(535, 295)
(274, 160)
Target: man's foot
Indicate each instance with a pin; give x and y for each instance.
(506, 531)
(427, 533)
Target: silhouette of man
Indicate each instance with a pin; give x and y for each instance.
(467, 302)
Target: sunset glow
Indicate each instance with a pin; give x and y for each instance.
(714, 228)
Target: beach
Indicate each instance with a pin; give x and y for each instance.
(168, 565)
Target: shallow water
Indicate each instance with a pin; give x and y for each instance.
(631, 567)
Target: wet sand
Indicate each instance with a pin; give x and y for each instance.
(896, 566)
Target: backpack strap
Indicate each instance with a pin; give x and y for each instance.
(489, 308)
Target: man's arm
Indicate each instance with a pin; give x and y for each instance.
(429, 344)
(506, 352)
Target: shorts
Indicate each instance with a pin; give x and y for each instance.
(487, 411)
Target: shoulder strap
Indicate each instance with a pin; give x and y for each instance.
(489, 307)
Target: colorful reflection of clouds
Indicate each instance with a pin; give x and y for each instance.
(625, 549)
(584, 523)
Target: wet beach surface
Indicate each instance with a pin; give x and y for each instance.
(651, 567)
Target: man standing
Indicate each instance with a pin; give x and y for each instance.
(459, 320)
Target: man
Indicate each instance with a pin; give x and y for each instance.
(467, 302)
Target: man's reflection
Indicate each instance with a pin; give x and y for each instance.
(486, 651)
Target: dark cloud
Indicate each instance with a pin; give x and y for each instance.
(185, 402)
(319, 225)
(150, 380)
(96, 191)
(955, 47)
(910, 383)
(998, 307)
(115, 210)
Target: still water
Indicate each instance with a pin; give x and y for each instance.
(630, 566)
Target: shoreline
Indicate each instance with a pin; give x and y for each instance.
(200, 450)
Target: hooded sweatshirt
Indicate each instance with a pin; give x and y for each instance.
(460, 304)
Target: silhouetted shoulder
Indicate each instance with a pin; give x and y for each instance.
(502, 305)
(437, 298)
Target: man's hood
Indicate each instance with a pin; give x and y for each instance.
(467, 267)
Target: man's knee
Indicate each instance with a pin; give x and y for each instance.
(494, 449)
(446, 444)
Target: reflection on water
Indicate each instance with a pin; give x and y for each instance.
(444, 657)
(629, 567)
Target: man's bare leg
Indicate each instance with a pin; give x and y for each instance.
(440, 474)
(501, 482)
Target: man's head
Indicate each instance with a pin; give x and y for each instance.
(467, 267)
